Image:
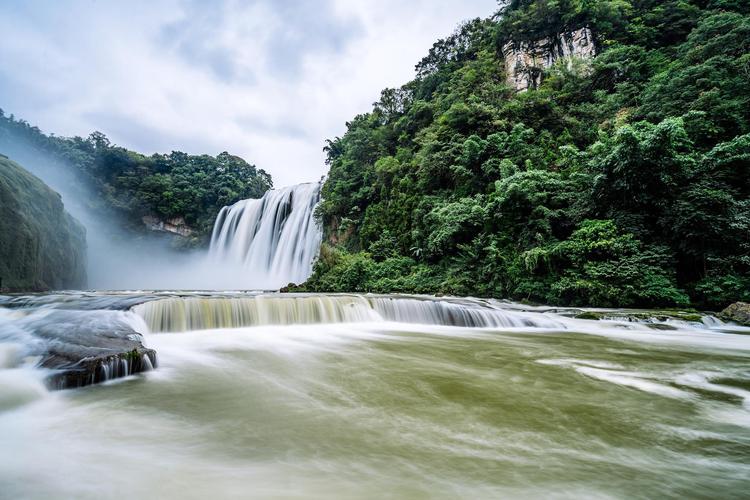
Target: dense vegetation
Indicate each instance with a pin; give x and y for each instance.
(41, 246)
(165, 185)
(619, 181)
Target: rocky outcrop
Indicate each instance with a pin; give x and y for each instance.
(176, 226)
(81, 347)
(739, 312)
(41, 246)
(526, 61)
(96, 369)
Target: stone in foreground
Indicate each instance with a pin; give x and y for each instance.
(87, 347)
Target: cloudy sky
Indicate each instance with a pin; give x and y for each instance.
(267, 80)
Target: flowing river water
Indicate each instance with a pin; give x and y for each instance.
(376, 397)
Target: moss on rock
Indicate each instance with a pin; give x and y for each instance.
(739, 312)
(589, 315)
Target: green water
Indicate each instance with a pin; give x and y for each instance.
(396, 411)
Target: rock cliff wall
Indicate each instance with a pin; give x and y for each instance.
(176, 226)
(525, 62)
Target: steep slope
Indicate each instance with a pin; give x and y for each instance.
(41, 246)
(582, 153)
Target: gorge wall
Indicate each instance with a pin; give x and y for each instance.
(175, 226)
(526, 61)
(42, 247)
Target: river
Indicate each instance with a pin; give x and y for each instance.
(368, 407)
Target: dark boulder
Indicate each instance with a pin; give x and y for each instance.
(85, 347)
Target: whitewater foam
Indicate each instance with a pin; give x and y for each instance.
(272, 240)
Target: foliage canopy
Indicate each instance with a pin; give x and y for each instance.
(621, 181)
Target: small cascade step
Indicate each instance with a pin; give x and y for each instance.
(179, 314)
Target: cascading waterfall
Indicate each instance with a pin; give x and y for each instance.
(465, 312)
(274, 239)
(178, 314)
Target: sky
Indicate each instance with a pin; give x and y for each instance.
(266, 80)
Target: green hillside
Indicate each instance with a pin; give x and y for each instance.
(41, 246)
(128, 185)
(616, 180)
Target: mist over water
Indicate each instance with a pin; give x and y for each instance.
(119, 258)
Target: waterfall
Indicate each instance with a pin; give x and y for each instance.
(178, 314)
(274, 239)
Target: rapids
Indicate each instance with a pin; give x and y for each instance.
(367, 396)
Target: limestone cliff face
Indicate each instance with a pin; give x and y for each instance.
(41, 246)
(176, 226)
(525, 62)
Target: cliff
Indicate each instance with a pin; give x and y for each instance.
(175, 226)
(526, 61)
(41, 246)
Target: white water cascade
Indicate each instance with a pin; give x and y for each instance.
(179, 314)
(273, 240)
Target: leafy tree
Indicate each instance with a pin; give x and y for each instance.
(623, 181)
(166, 185)
(604, 267)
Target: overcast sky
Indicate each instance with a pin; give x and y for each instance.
(266, 80)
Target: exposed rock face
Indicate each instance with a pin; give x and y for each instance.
(336, 235)
(525, 62)
(739, 312)
(175, 226)
(41, 246)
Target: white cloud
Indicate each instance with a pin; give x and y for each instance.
(267, 80)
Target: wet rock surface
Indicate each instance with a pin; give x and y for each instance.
(95, 369)
(176, 226)
(739, 312)
(84, 347)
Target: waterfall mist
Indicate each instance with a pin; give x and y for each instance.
(256, 244)
(117, 257)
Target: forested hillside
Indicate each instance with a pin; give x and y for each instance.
(167, 186)
(41, 246)
(619, 180)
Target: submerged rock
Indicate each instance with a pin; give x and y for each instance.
(635, 315)
(739, 312)
(589, 315)
(661, 326)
